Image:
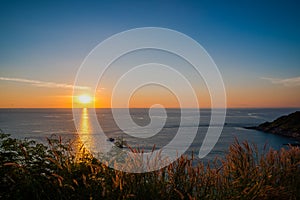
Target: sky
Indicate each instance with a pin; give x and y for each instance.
(255, 44)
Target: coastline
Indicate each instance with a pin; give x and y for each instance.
(286, 125)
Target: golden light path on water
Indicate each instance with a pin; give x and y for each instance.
(84, 140)
(85, 130)
(84, 122)
(89, 139)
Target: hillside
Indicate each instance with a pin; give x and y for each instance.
(288, 126)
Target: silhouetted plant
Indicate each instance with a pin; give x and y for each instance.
(55, 171)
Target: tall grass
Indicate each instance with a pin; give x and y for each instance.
(36, 171)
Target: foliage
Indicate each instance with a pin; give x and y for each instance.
(36, 171)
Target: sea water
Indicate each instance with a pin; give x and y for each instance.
(38, 124)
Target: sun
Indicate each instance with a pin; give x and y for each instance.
(85, 99)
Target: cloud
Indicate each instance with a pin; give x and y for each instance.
(288, 82)
(46, 84)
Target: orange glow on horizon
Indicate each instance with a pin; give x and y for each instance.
(20, 96)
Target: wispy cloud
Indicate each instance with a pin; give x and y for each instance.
(289, 82)
(46, 84)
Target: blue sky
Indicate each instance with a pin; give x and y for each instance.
(252, 42)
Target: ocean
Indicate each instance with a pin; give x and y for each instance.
(38, 124)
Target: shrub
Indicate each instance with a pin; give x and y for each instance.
(55, 171)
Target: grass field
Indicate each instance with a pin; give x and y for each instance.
(30, 170)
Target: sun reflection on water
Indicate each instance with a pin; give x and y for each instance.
(84, 122)
(85, 141)
(86, 130)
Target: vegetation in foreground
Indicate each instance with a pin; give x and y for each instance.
(30, 170)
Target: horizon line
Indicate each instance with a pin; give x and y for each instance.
(148, 108)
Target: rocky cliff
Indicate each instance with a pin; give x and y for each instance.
(288, 126)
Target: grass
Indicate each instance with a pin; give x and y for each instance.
(30, 170)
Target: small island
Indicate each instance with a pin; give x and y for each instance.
(288, 125)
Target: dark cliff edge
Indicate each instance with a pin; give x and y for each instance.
(288, 125)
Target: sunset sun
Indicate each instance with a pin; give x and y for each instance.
(85, 99)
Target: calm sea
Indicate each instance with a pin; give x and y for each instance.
(38, 124)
